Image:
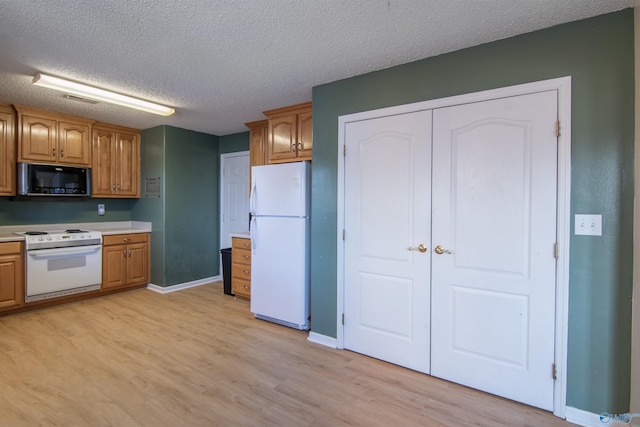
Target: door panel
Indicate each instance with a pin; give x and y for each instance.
(494, 215)
(234, 196)
(387, 212)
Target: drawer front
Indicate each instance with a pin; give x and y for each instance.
(241, 271)
(241, 256)
(241, 287)
(10, 248)
(237, 242)
(124, 239)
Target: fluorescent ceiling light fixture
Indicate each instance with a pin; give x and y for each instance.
(96, 94)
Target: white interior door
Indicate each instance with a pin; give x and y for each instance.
(234, 195)
(494, 216)
(387, 212)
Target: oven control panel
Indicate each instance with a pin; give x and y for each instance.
(58, 239)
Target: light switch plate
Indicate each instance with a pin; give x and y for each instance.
(101, 209)
(588, 225)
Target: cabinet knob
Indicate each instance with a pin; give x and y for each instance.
(126, 239)
(114, 187)
(54, 152)
(62, 153)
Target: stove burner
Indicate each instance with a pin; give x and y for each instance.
(35, 233)
(74, 230)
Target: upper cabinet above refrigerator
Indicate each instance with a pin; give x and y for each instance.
(290, 133)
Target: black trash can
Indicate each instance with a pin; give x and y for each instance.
(226, 270)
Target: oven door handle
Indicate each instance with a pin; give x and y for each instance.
(36, 253)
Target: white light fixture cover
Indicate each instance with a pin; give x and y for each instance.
(89, 92)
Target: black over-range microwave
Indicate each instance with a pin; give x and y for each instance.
(36, 179)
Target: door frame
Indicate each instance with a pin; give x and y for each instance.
(563, 218)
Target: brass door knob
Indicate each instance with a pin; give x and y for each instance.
(440, 250)
(421, 247)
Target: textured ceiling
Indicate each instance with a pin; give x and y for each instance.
(220, 63)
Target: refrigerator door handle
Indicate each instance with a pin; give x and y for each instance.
(252, 199)
(252, 233)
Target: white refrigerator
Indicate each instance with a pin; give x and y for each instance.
(279, 204)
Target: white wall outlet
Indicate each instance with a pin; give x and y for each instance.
(101, 209)
(588, 225)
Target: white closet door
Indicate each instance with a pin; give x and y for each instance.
(494, 216)
(387, 212)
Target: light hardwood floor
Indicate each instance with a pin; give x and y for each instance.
(197, 357)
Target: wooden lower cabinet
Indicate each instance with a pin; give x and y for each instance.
(125, 260)
(11, 275)
(241, 267)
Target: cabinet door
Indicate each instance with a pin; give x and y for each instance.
(114, 266)
(305, 135)
(282, 135)
(11, 276)
(138, 264)
(257, 146)
(128, 165)
(74, 144)
(38, 139)
(103, 170)
(7, 152)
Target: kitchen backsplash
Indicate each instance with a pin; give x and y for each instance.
(16, 212)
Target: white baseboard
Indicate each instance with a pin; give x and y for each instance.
(589, 419)
(181, 286)
(317, 338)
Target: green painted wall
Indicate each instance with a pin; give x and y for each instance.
(185, 217)
(234, 143)
(152, 164)
(188, 164)
(18, 212)
(598, 54)
(191, 205)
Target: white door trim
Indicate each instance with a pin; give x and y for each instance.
(563, 86)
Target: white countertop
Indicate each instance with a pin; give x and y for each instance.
(106, 228)
(243, 235)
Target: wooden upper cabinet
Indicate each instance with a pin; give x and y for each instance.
(289, 133)
(257, 142)
(48, 137)
(74, 143)
(116, 162)
(128, 165)
(38, 140)
(7, 151)
(103, 168)
(305, 135)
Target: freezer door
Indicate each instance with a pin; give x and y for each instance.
(279, 273)
(280, 190)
